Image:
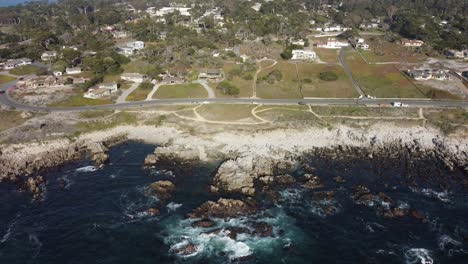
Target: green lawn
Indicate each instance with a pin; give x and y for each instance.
(190, 90)
(78, 100)
(287, 88)
(382, 81)
(24, 70)
(313, 86)
(245, 86)
(217, 112)
(6, 79)
(141, 92)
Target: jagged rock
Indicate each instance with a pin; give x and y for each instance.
(173, 154)
(153, 211)
(35, 186)
(418, 215)
(312, 182)
(185, 250)
(223, 208)
(339, 179)
(205, 223)
(284, 179)
(262, 229)
(162, 189)
(97, 152)
(325, 195)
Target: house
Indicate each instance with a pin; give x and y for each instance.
(80, 80)
(101, 91)
(133, 77)
(130, 48)
(299, 42)
(48, 55)
(41, 81)
(11, 64)
(74, 70)
(210, 74)
(363, 46)
(57, 73)
(119, 34)
(332, 43)
(412, 43)
(184, 11)
(336, 28)
(303, 55)
(457, 54)
(172, 80)
(424, 75)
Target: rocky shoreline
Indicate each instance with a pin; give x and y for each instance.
(248, 162)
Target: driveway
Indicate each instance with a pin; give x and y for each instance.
(208, 89)
(122, 98)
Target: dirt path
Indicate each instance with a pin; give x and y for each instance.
(260, 69)
(122, 98)
(151, 94)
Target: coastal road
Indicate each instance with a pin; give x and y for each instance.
(7, 101)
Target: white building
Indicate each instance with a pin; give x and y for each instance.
(363, 46)
(11, 64)
(101, 91)
(57, 73)
(74, 70)
(130, 48)
(303, 55)
(412, 43)
(119, 34)
(332, 43)
(133, 77)
(49, 55)
(184, 11)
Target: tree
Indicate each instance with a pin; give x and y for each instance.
(328, 76)
(228, 88)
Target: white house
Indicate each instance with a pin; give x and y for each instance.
(299, 42)
(48, 55)
(133, 77)
(130, 48)
(57, 73)
(119, 34)
(74, 70)
(11, 64)
(363, 46)
(332, 43)
(184, 11)
(412, 43)
(101, 91)
(303, 55)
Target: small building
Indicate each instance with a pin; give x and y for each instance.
(303, 55)
(456, 54)
(130, 48)
(74, 70)
(172, 80)
(332, 43)
(11, 64)
(49, 55)
(299, 42)
(57, 73)
(118, 34)
(424, 75)
(133, 77)
(81, 80)
(211, 74)
(101, 91)
(363, 46)
(41, 81)
(412, 43)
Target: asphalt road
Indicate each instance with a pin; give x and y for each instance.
(7, 101)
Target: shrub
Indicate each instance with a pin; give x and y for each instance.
(228, 88)
(274, 76)
(328, 76)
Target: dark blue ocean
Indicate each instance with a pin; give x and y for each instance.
(13, 2)
(98, 215)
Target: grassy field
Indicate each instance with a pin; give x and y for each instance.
(287, 88)
(122, 118)
(226, 112)
(363, 111)
(6, 79)
(135, 66)
(384, 51)
(245, 86)
(10, 119)
(78, 100)
(141, 92)
(327, 55)
(24, 70)
(382, 81)
(313, 86)
(190, 90)
(96, 114)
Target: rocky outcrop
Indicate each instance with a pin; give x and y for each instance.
(312, 182)
(35, 185)
(97, 152)
(162, 189)
(205, 223)
(172, 154)
(223, 208)
(239, 175)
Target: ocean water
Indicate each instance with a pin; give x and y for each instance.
(98, 215)
(13, 2)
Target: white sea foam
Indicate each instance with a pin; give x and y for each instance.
(68, 182)
(9, 231)
(86, 169)
(418, 256)
(443, 196)
(446, 242)
(173, 206)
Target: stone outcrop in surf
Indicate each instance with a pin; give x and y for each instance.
(223, 208)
